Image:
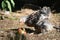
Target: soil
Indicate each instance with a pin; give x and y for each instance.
(10, 23)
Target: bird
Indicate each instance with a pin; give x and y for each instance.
(21, 31)
(40, 19)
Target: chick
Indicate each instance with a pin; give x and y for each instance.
(22, 34)
(40, 20)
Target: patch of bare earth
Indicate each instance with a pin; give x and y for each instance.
(54, 35)
(13, 24)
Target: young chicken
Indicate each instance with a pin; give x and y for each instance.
(40, 20)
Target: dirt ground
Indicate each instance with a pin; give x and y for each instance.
(45, 36)
(12, 22)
